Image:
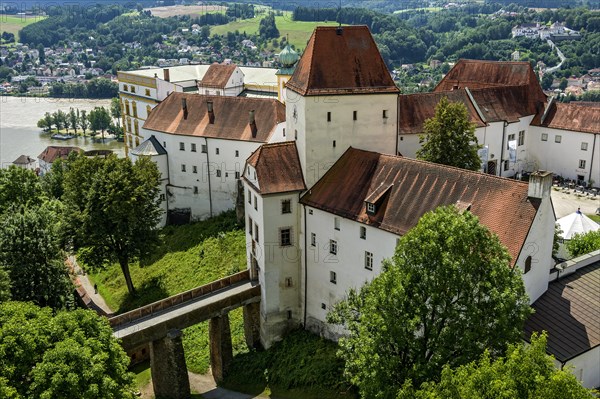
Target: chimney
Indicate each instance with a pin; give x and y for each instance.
(166, 74)
(184, 108)
(540, 184)
(455, 87)
(211, 114)
(252, 123)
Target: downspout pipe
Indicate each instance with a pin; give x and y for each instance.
(305, 267)
(592, 160)
(501, 166)
(208, 178)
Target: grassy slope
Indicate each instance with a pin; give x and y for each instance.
(14, 23)
(299, 31)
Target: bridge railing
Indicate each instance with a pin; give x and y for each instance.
(178, 299)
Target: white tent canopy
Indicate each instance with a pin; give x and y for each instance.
(576, 223)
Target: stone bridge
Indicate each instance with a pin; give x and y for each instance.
(159, 326)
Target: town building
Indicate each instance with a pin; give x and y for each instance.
(25, 162)
(52, 153)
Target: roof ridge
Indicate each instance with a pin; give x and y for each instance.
(313, 38)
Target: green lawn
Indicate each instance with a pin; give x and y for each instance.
(299, 31)
(14, 23)
(595, 218)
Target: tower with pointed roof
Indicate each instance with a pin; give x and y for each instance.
(288, 59)
(340, 95)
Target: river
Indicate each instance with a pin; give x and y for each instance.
(19, 134)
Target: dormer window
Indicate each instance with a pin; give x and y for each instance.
(371, 208)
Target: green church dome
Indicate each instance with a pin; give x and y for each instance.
(288, 57)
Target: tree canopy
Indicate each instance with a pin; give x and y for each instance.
(526, 372)
(449, 137)
(447, 295)
(113, 209)
(582, 244)
(70, 355)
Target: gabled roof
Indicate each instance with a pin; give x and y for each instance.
(569, 311)
(579, 117)
(231, 120)
(217, 75)
(415, 109)
(507, 103)
(149, 147)
(278, 168)
(24, 160)
(52, 153)
(418, 187)
(342, 60)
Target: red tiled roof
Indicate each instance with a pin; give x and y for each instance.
(476, 74)
(418, 187)
(415, 109)
(570, 312)
(52, 153)
(217, 75)
(278, 168)
(346, 63)
(505, 103)
(579, 117)
(231, 117)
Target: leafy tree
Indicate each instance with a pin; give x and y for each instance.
(447, 295)
(42, 54)
(115, 210)
(43, 124)
(99, 119)
(449, 137)
(4, 291)
(115, 110)
(563, 84)
(84, 121)
(19, 187)
(547, 81)
(30, 252)
(526, 372)
(70, 355)
(267, 28)
(582, 244)
(72, 117)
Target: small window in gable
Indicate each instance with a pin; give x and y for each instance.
(371, 208)
(527, 264)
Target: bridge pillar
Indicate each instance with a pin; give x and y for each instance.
(167, 364)
(252, 325)
(221, 352)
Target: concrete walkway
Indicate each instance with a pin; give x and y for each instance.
(82, 281)
(566, 203)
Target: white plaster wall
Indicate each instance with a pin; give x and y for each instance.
(563, 158)
(316, 135)
(586, 367)
(348, 264)
(538, 245)
(522, 161)
(164, 88)
(408, 145)
(162, 164)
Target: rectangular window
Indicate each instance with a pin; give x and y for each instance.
(557, 138)
(285, 237)
(193, 147)
(506, 165)
(336, 223)
(283, 132)
(124, 87)
(368, 260)
(255, 203)
(237, 153)
(286, 206)
(544, 136)
(313, 240)
(218, 172)
(328, 116)
(310, 211)
(333, 143)
(195, 189)
(148, 92)
(194, 169)
(385, 114)
(133, 89)
(581, 164)
(333, 277)
(333, 247)
(354, 115)
(204, 149)
(181, 146)
(288, 283)
(511, 137)
(371, 207)
(183, 167)
(255, 232)
(217, 151)
(164, 144)
(249, 225)
(363, 232)
(249, 197)
(584, 146)
(521, 137)
(162, 197)
(237, 175)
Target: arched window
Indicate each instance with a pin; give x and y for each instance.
(136, 127)
(148, 109)
(527, 264)
(127, 107)
(134, 109)
(130, 141)
(129, 125)
(137, 141)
